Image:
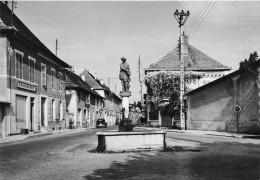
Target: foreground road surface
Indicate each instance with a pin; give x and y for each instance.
(72, 156)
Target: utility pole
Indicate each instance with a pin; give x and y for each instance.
(56, 47)
(139, 66)
(181, 18)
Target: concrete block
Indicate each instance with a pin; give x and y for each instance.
(127, 141)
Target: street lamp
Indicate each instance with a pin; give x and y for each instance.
(181, 18)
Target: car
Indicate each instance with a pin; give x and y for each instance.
(101, 123)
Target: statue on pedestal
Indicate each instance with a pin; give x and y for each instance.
(124, 74)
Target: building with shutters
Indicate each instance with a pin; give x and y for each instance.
(32, 80)
(112, 103)
(84, 105)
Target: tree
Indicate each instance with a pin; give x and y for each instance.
(252, 58)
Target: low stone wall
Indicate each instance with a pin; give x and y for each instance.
(127, 141)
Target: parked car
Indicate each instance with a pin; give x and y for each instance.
(101, 123)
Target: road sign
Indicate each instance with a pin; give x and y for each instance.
(237, 108)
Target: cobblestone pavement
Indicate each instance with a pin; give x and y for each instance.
(73, 156)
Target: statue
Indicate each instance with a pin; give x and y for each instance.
(124, 74)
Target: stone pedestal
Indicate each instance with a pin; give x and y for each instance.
(125, 102)
(126, 124)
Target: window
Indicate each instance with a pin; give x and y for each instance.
(88, 99)
(60, 81)
(53, 74)
(19, 64)
(31, 70)
(43, 75)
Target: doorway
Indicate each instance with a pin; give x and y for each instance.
(20, 113)
(43, 111)
(32, 115)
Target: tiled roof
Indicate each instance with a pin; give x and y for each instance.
(89, 78)
(24, 32)
(75, 81)
(196, 60)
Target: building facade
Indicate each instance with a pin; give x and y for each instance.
(212, 107)
(32, 80)
(84, 105)
(112, 103)
(195, 61)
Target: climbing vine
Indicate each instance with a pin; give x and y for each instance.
(166, 85)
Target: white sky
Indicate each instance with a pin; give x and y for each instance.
(94, 35)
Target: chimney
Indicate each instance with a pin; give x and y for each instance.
(185, 44)
(101, 81)
(83, 77)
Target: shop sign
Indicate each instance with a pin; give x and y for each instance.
(26, 86)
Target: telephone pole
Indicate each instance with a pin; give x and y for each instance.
(56, 47)
(139, 71)
(181, 18)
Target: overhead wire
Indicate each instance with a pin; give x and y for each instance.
(199, 19)
(203, 19)
(197, 16)
(89, 23)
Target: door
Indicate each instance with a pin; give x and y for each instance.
(167, 120)
(20, 113)
(84, 117)
(2, 117)
(43, 111)
(79, 118)
(32, 115)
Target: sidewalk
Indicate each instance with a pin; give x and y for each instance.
(34, 135)
(201, 132)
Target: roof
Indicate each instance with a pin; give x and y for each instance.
(196, 60)
(89, 78)
(76, 82)
(116, 97)
(24, 32)
(254, 65)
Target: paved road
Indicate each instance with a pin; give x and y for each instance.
(71, 156)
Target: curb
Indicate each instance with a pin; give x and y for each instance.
(244, 136)
(38, 135)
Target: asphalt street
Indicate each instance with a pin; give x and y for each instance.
(73, 156)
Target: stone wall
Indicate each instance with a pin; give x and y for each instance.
(212, 107)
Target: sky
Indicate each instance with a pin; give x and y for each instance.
(95, 35)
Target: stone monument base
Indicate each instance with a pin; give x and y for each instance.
(128, 141)
(125, 93)
(126, 125)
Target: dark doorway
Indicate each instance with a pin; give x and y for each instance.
(43, 110)
(32, 115)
